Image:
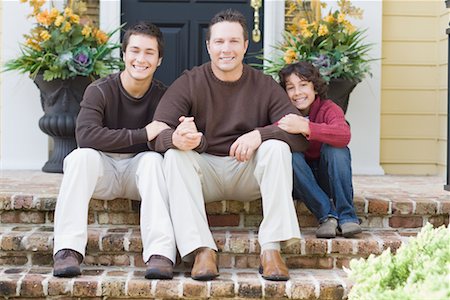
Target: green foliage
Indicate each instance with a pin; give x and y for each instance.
(65, 44)
(419, 270)
(330, 43)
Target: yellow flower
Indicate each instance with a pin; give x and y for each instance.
(45, 35)
(341, 18)
(306, 33)
(54, 13)
(329, 18)
(323, 30)
(58, 21)
(23, 1)
(303, 23)
(290, 56)
(100, 36)
(349, 27)
(44, 18)
(66, 27)
(75, 19)
(68, 11)
(86, 31)
(33, 44)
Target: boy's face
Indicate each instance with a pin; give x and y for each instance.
(226, 48)
(301, 93)
(141, 57)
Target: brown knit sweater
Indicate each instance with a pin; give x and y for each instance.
(111, 120)
(223, 111)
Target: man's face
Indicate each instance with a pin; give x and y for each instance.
(226, 48)
(141, 57)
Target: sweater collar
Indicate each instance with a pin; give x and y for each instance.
(228, 83)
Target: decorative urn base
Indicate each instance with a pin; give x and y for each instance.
(339, 91)
(60, 100)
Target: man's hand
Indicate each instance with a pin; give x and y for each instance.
(186, 135)
(245, 146)
(155, 128)
(295, 124)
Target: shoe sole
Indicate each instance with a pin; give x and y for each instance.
(350, 233)
(206, 277)
(274, 277)
(153, 274)
(67, 272)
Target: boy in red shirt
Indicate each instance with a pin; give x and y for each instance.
(322, 175)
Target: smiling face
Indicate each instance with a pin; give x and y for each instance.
(301, 93)
(226, 48)
(141, 58)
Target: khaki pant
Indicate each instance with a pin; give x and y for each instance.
(194, 179)
(89, 173)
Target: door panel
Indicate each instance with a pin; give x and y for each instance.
(184, 24)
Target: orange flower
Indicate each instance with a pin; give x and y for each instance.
(100, 36)
(290, 56)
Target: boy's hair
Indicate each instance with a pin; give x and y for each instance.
(305, 71)
(144, 28)
(228, 15)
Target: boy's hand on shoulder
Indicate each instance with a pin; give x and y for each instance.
(155, 128)
(294, 124)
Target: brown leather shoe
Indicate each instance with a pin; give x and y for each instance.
(66, 263)
(159, 267)
(272, 266)
(205, 265)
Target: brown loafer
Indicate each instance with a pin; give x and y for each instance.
(205, 265)
(159, 267)
(272, 266)
(66, 263)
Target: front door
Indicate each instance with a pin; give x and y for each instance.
(184, 24)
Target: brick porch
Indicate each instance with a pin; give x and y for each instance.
(391, 208)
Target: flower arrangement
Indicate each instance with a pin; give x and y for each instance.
(65, 44)
(331, 43)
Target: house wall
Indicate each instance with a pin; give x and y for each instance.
(414, 87)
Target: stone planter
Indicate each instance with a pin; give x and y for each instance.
(339, 91)
(60, 100)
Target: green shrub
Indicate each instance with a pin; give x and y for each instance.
(419, 270)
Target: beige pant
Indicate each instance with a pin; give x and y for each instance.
(194, 179)
(90, 173)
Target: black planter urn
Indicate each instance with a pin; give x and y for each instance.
(60, 100)
(339, 90)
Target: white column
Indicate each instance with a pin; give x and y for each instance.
(22, 144)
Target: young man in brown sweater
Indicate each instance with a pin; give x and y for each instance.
(113, 128)
(223, 144)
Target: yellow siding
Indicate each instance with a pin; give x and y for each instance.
(414, 87)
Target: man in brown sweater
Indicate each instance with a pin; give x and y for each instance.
(113, 128)
(223, 144)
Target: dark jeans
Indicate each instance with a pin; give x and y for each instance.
(325, 185)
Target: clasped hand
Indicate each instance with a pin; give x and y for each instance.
(186, 135)
(294, 124)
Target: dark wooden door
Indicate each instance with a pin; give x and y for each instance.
(184, 24)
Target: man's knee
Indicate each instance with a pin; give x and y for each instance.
(151, 158)
(334, 153)
(275, 147)
(85, 156)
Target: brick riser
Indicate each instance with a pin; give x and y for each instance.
(373, 212)
(101, 283)
(29, 245)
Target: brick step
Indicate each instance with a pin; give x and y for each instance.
(28, 245)
(378, 212)
(117, 283)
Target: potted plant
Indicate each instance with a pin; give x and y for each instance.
(63, 53)
(330, 42)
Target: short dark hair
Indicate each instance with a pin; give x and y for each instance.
(144, 28)
(305, 71)
(228, 15)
